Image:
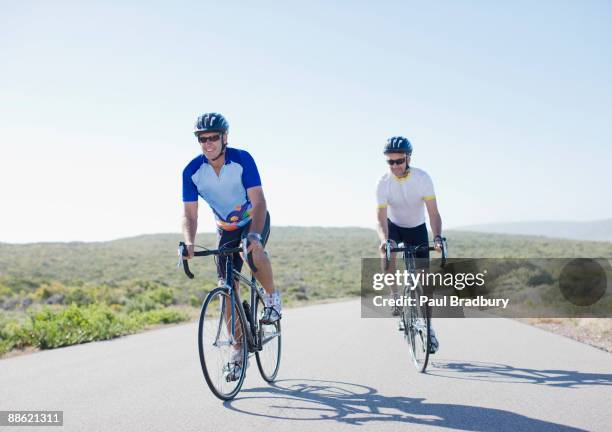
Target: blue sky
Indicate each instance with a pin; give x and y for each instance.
(507, 106)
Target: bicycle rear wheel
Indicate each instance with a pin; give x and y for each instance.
(417, 327)
(269, 335)
(217, 343)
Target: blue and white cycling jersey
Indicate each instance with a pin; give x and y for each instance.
(226, 193)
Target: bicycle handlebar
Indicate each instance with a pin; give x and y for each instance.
(414, 248)
(229, 251)
(183, 253)
(389, 249)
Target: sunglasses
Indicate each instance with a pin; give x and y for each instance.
(396, 161)
(212, 138)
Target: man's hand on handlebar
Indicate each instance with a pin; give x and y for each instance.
(438, 243)
(253, 244)
(190, 251)
(387, 244)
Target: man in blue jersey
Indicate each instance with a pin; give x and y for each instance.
(228, 180)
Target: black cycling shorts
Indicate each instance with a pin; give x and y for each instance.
(411, 237)
(231, 239)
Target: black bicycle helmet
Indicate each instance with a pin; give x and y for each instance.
(398, 144)
(211, 122)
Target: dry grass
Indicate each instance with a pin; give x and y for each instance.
(593, 331)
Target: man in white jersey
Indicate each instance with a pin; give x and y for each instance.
(402, 196)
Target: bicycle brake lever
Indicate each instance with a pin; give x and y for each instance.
(444, 252)
(183, 252)
(180, 255)
(387, 255)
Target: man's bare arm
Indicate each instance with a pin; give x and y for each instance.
(260, 209)
(190, 225)
(435, 220)
(383, 226)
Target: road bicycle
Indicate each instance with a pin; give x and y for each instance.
(415, 317)
(224, 318)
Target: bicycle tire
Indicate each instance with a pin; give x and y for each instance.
(269, 337)
(213, 325)
(417, 328)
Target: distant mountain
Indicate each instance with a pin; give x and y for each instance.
(600, 230)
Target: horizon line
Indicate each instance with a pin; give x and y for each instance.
(451, 228)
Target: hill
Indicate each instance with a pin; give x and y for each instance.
(55, 294)
(308, 262)
(600, 230)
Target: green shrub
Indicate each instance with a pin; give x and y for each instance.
(195, 301)
(141, 303)
(50, 328)
(110, 295)
(157, 298)
(5, 291)
(543, 278)
(160, 316)
(79, 296)
(162, 296)
(17, 284)
(10, 335)
(47, 290)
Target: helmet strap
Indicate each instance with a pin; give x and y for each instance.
(223, 145)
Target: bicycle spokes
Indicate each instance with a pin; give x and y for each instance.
(222, 344)
(417, 328)
(269, 335)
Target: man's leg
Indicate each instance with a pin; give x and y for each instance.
(230, 239)
(264, 274)
(261, 260)
(394, 236)
(264, 270)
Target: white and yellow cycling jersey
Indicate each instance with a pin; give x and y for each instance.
(404, 197)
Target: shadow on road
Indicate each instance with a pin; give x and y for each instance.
(357, 405)
(497, 372)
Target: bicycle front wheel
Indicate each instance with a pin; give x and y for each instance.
(269, 335)
(220, 336)
(417, 326)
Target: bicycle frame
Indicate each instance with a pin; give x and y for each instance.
(409, 257)
(409, 254)
(231, 276)
(238, 330)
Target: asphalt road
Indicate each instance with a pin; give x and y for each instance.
(338, 372)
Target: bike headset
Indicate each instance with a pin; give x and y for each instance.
(213, 122)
